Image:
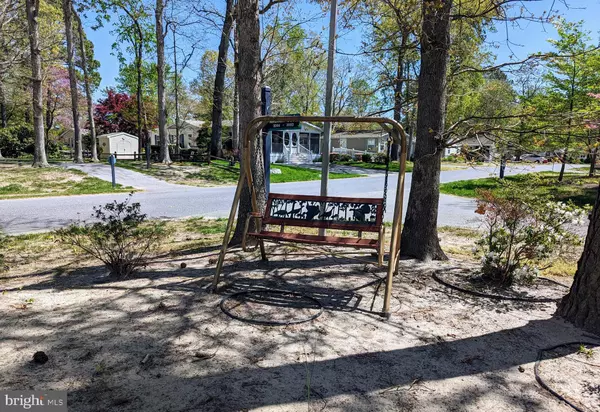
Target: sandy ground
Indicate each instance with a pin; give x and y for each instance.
(160, 342)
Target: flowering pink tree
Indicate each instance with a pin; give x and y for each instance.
(56, 95)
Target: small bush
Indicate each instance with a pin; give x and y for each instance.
(454, 158)
(380, 158)
(318, 159)
(358, 157)
(334, 157)
(344, 158)
(521, 230)
(121, 237)
(367, 158)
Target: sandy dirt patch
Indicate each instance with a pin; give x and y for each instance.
(160, 342)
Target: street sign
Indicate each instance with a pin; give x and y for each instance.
(283, 126)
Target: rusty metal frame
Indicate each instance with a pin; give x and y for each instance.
(398, 137)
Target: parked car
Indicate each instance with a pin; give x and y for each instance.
(533, 158)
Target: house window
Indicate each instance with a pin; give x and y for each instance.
(286, 139)
(372, 144)
(315, 142)
(305, 140)
(343, 142)
(294, 139)
(276, 142)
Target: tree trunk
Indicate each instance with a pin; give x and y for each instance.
(49, 121)
(593, 162)
(176, 93)
(235, 132)
(419, 236)
(2, 106)
(39, 153)
(138, 94)
(88, 91)
(582, 305)
(160, 69)
(219, 89)
(67, 6)
(249, 84)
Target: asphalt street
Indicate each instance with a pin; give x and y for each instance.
(164, 200)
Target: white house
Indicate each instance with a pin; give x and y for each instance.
(121, 143)
(298, 142)
(188, 132)
(373, 141)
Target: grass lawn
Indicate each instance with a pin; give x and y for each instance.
(25, 181)
(220, 173)
(579, 188)
(395, 166)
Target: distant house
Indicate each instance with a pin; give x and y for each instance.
(480, 148)
(68, 137)
(188, 132)
(298, 142)
(121, 143)
(373, 141)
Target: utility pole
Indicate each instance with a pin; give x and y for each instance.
(328, 103)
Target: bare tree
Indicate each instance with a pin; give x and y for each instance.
(161, 33)
(419, 236)
(582, 305)
(249, 104)
(39, 154)
(67, 6)
(88, 91)
(219, 89)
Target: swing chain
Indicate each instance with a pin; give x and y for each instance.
(387, 172)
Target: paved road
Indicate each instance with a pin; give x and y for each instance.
(164, 200)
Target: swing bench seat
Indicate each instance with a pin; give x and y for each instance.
(322, 212)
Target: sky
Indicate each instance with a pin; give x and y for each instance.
(511, 42)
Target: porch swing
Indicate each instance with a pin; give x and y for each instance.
(322, 212)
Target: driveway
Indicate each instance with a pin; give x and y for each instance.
(164, 200)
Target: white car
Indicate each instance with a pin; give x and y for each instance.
(533, 158)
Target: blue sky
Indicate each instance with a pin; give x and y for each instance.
(523, 40)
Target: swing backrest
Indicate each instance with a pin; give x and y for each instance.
(328, 212)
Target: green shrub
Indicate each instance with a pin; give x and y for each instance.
(121, 238)
(367, 157)
(380, 158)
(521, 230)
(318, 159)
(16, 141)
(344, 158)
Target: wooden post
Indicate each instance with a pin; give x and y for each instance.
(396, 225)
(234, 206)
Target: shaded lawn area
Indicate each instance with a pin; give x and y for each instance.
(578, 188)
(25, 181)
(220, 173)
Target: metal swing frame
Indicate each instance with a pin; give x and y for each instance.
(253, 129)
